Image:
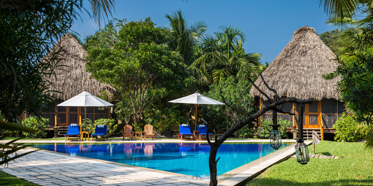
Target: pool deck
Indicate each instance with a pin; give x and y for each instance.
(52, 168)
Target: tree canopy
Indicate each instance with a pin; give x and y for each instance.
(139, 66)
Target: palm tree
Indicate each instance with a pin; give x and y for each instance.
(182, 37)
(341, 9)
(101, 5)
(224, 56)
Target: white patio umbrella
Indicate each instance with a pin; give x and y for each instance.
(84, 99)
(197, 99)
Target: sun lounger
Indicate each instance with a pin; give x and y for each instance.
(101, 130)
(74, 130)
(203, 131)
(184, 130)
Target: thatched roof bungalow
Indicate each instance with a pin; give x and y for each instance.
(297, 72)
(71, 78)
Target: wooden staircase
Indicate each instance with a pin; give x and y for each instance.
(62, 130)
(307, 133)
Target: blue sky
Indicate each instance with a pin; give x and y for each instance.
(268, 24)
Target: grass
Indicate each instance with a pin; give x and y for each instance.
(355, 168)
(46, 139)
(7, 179)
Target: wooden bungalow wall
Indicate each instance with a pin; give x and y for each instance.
(64, 116)
(320, 114)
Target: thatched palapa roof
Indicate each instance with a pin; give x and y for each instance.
(72, 78)
(297, 71)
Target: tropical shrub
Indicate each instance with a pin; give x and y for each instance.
(245, 132)
(348, 129)
(265, 129)
(37, 123)
(165, 119)
(237, 95)
(110, 123)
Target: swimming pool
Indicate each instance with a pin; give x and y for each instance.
(183, 158)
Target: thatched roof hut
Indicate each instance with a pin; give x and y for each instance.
(71, 77)
(297, 71)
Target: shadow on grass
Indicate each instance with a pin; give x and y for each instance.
(266, 181)
(325, 153)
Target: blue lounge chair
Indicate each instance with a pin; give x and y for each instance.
(184, 130)
(101, 130)
(203, 131)
(74, 130)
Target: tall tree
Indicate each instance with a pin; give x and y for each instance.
(224, 56)
(29, 30)
(139, 67)
(182, 38)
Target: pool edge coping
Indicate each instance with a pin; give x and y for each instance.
(228, 176)
(253, 171)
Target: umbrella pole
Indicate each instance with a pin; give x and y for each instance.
(195, 119)
(85, 118)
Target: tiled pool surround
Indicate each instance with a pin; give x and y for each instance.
(43, 167)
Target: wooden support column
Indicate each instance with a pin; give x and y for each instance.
(320, 120)
(307, 115)
(294, 116)
(260, 107)
(108, 112)
(68, 115)
(55, 114)
(79, 117)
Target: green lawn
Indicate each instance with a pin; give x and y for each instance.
(47, 139)
(355, 168)
(7, 179)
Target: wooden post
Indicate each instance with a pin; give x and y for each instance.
(315, 140)
(79, 117)
(195, 119)
(68, 115)
(320, 121)
(85, 118)
(55, 114)
(260, 107)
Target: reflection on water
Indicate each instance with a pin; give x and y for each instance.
(183, 158)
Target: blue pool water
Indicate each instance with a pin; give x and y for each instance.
(183, 158)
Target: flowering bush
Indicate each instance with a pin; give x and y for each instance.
(348, 129)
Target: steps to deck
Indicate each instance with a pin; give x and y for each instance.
(307, 133)
(62, 130)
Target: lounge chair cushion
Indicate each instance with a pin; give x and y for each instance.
(100, 131)
(74, 125)
(73, 131)
(184, 125)
(201, 126)
(100, 126)
(98, 134)
(185, 130)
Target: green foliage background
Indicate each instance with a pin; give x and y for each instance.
(237, 95)
(139, 66)
(265, 129)
(349, 130)
(37, 123)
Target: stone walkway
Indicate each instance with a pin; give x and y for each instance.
(48, 168)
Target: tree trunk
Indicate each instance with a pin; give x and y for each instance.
(213, 164)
